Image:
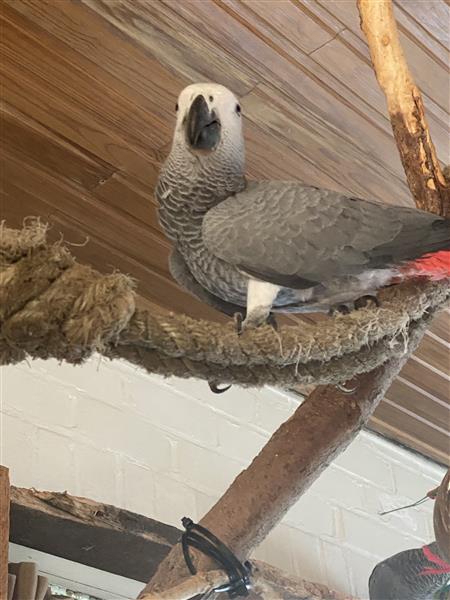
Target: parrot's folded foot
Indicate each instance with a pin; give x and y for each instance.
(214, 387)
(255, 319)
(366, 302)
(341, 309)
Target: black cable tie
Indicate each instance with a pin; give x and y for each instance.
(198, 537)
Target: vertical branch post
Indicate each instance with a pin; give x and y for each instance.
(429, 187)
(4, 531)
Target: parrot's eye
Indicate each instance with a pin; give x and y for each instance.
(176, 107)
(238, 109)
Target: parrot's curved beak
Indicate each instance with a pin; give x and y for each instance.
(202, 126)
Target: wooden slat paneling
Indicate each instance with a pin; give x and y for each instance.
(49, 151)
(406, 429)
(432, 16)
(405, 395)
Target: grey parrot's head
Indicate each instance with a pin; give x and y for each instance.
(209, 121)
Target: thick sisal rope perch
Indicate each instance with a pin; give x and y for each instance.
(51, 306)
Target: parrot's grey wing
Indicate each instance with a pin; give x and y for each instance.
(182, 275)
(296, 235)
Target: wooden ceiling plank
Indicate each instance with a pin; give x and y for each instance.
(440, 326)
(182, 50)
(106, 51)
(94, 218)
(120, 193)
(256, 58)
(347, 17)
(49, 151)
(71, 82)
(399, 427)
(314, 138)
(267, 31)
(313, 9)
(298, 27)
(428, 380)
(280, 163)
(418, 418)
(435, 114)
(359, 77)
(290, 80)
(435, 353)
(428, 72)
(402, 394)
(433, 15)
(94, 251)
(33, 99)
(413, 25)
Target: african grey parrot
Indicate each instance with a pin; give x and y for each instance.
(279, 246)
(415, 574)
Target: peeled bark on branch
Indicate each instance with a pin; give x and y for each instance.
(429, 187)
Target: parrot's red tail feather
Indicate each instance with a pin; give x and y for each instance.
(433, 266)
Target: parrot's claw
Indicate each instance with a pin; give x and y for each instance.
(341, 309)
(243, 324)
(271, 320)
(256, 319)
(366, 302)
(345, 390)
(216, 389)
(238, 321)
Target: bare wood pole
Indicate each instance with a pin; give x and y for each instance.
(429, 187)
(4, 531)
(324, 425)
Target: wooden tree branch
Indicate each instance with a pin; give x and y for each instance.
(328, 420)
(4, 531)
(268, 584)
(429, 187)
(190, 587)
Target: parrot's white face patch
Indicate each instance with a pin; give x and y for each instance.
(219, 100)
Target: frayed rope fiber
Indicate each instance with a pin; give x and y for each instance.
(53, 307)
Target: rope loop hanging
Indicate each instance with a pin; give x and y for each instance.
(52, 306)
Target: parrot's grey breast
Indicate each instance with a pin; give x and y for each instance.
(215, 275)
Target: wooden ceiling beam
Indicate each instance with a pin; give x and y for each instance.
(91, 533)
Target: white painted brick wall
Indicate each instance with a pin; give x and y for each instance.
(166, 448)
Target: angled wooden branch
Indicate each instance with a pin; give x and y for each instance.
(429, 187)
